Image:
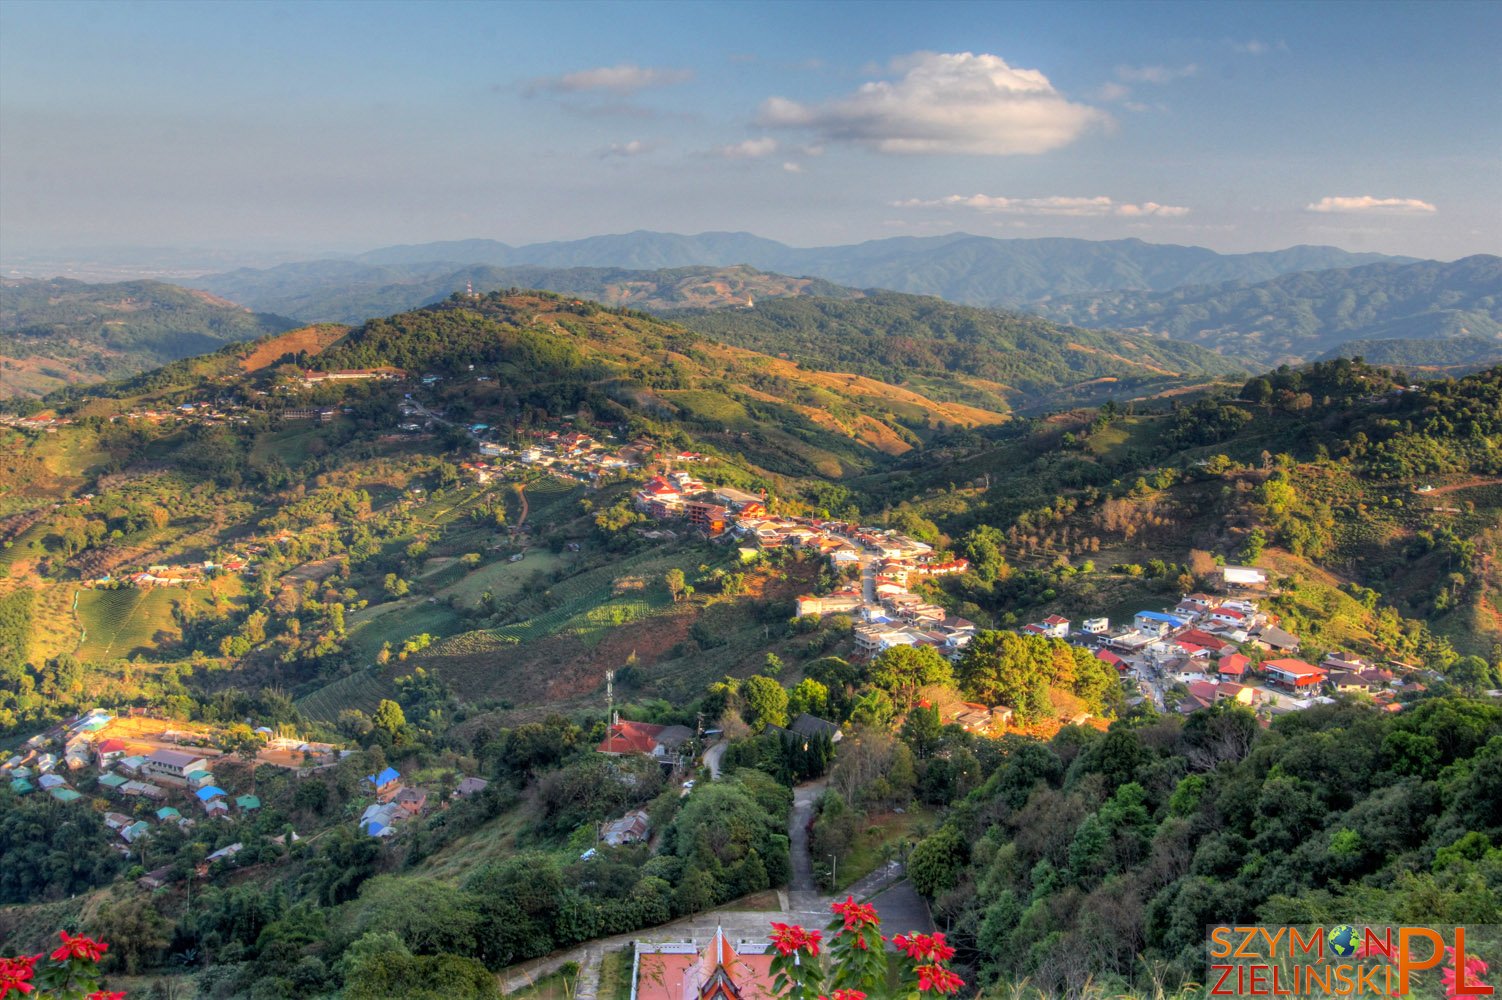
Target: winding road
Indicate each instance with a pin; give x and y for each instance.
(887, 888)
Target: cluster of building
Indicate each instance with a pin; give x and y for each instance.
(568, 454)
(382, 373)
(397, 802)
(164, 575)
(1202, 643)
(45, 422)
(137, 759)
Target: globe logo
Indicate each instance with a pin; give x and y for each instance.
(1342, 941)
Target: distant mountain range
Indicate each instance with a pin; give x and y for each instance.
(59, 332)
(354, 293)
(1413, 309)
(971, 270)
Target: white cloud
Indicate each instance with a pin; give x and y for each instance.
(627, 78)
(792, 168)
(1155, 74)
(1257, 47)
(751, 149)
(1054, 205)
(945, 103)
(634, 147)
(1366, 203)
(1113, 91)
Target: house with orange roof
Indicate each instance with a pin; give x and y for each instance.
(719, 971)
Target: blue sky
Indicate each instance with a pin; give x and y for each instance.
(344, 126)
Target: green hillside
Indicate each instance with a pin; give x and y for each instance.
(62, 332)
(1301, 316)
(1006, 359)
(352, 566)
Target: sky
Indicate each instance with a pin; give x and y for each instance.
(311, 128)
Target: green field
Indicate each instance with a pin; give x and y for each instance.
(395, 622)
(121, 623)
(501, 578)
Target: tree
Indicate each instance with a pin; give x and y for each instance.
(389, 719)
(1008, 669)
(135, 929)
(937, 862)
(675, 582)
(902, 670)
(808, 696)
(765, 701)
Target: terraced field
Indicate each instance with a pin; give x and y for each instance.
(397, 621)
(362, 691)
(120, 623)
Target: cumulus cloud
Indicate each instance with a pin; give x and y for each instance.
(1155, 74)
(945, 103)
(1366, 203)
(634, 147)
(751, 149)
(627, 78)
(1054, 205)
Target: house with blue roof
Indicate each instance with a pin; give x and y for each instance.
(21, 786)
(168, 813)
(1156, 623)
(387, 784)
(211, 792)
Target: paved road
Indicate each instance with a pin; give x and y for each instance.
(899, 906)
(712, 759)
(804, 797)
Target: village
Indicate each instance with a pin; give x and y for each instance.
(1205, 649)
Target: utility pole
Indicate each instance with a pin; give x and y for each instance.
(609, 701)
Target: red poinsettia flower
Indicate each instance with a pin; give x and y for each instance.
(1475, 968)
(15, 974)
(79, 946)
(924, 947)
(789, 938)
(938, 979)
(103, 995)
(857, 915)
(847, 995)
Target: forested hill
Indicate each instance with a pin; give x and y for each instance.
(896, 337)
(1300, 316)
(61, 331)
(556, 354)
(349, 293)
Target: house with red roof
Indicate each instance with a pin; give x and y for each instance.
(1106, 656)
(1234, 666)
(1295, 674)
(1229, 617)
(625, 737)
